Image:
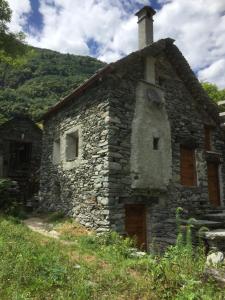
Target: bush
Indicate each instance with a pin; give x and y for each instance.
(9, 198)
(6, 197)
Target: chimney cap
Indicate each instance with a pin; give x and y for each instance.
(146, 11)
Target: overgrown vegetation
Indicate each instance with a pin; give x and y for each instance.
(6, 197)
(10, 202)
(96, 267)
(12, 46)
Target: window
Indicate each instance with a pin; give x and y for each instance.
(208, 138)
(72, 146)
(56, 152)
(155, 143)
(187, 166)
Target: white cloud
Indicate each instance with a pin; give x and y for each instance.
(197, 26)
(69, 28)
(20, 9)
(123, 42)
(214, 73)
(110, 23)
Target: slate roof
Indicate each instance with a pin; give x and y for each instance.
(18, 117)
(175, 57)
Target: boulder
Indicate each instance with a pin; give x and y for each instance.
(215, 258)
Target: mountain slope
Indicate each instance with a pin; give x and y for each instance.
(42, 81)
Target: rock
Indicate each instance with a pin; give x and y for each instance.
(215, 258)
(137, 254)
(217, 275)
(77, 267)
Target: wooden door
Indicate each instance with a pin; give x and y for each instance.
(213, 183)
(135, 223)
(188, 167)
(208, 134)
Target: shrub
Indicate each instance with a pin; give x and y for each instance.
(6, 197)
(9, 198)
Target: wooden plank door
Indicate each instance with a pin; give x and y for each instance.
(213, 183)
(135, 223)
(188, 166)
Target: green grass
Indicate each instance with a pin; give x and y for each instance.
(36, 267)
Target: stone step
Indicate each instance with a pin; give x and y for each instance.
(215, 238)
(208, 214)
(198, 223)
(219, 216)
(217, 234)
(203, 223)
(215, 210)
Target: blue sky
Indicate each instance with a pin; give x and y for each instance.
(35, 18)
(107, 29)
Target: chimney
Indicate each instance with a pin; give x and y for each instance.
(145, 26)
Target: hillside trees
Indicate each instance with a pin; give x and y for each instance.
(33, 79)
(213, 91)
(12, 45)
(46, 76)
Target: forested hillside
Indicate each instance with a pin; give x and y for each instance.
(41, 81)
(46, 77)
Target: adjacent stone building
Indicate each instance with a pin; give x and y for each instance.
(20, 154)
(134, 142)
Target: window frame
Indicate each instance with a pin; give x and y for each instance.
(56, 152)
(72, 163)
(70, 136)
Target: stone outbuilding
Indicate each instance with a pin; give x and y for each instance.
(20, 154)
(134, 142)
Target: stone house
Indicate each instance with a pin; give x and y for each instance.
(20, 153)
(134, 142)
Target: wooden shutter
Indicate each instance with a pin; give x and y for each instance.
(207, 131)
(135, 223)
(213, 183)
(188, 166)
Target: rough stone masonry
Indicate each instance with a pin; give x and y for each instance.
(127, 124)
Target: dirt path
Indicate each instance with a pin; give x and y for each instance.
(39, 225)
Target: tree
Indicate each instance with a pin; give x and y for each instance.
(5, 15)
(12, 44)
(213, 91)
(13, 50)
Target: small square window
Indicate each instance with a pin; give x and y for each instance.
(72, 146)
(155, 143)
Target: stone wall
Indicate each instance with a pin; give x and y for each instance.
(186, 118)
(97, 187)
(79, 188)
